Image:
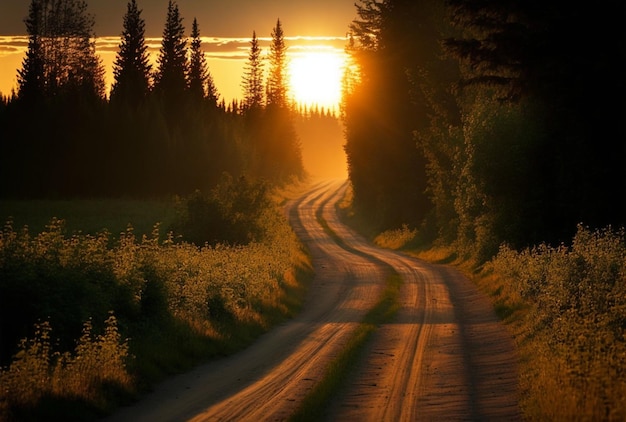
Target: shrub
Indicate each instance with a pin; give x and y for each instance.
(576, 323)
(231, 213)
(38, 371)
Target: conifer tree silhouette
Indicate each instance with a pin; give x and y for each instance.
(170, 80)
(277, 78)
(61, 57)
(253, 91)
(201, 84)
(132, 68)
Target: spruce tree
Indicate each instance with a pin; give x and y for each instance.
(31, 76)
(277, 79)
(201, 83)
(253, 91)
(170, 80)
(132, 68)
(62, 50)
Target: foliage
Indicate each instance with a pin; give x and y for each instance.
(201, 83)
(209, 301)
(231, 213)
(396, 238)
(574, 331)
(277, 78)
(61, 57)
(395, 46)
(170, 79)
(38, 371)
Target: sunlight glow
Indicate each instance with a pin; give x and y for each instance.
(315, 78)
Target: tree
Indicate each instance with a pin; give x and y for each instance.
(277, 79)
(387, 171)
(132, 68)
(201, 83)
(253, 91)
(529, 54)
(31, 77)
(62, 51)
(170, 80)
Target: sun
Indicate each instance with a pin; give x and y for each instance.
(315, 78)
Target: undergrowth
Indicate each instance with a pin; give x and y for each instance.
(570, 303)
(91, 321)
(566, 307)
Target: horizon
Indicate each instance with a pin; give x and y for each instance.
(226, 58)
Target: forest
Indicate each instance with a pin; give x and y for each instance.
(488, 122)
(495, 129)
(160, 131)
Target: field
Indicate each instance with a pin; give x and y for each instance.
(90, 216)
(74, 295)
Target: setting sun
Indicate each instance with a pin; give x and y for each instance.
(315, 78)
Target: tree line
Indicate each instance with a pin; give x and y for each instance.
(162, 130)
(483, 122)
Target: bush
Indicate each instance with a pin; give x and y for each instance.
(207, 300)
(230, 214)
(576, 323)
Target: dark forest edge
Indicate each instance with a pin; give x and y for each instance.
(160, 131)
(478, 134)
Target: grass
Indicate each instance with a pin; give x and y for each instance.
(566, 309)
(90, 216)
(208, 301)
(315, 403)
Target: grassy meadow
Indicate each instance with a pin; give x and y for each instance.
(89, 316)
(90, 216)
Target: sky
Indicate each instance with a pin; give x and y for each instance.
(219, 18)
(225, 25)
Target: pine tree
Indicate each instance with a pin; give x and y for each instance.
(170, 80)
(62, 50)
(132, 68)
(201, 83)
(277, 79)
(253, 91)
(31, 76)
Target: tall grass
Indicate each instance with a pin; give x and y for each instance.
(396, 238)
(90, 216)
(111, 315)
(568, 307)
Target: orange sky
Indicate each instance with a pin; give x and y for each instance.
(220, 18)
(226, 27)
(226, 57)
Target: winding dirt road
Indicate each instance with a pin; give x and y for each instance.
(445, 357)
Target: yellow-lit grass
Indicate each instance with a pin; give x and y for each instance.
(207, 301)
(396, 238)
(38, 371)
(315, 403)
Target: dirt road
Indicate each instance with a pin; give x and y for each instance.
(444, 358)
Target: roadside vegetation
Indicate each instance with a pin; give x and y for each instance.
(476, 136)
(566, 308)
(88, 321)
